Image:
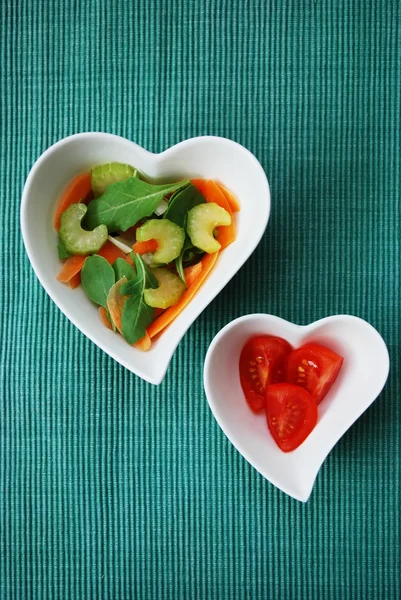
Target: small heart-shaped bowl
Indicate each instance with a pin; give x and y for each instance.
(203, 157)
(360, 381)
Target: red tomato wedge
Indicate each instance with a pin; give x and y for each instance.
(262, 363)
(291, 414)
(314, 368)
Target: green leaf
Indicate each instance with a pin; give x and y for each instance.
(190, 255)
(144, 279)
(62, 250)
(97, 277)
(182, 202)
(180, 268)
(137, 315)
(125, 203)
(123, 269)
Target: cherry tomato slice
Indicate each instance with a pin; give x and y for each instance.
(262, 363)
(313, 367)
(291, 414)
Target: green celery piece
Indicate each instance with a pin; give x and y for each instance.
(169, 235)
(77, 240)
(201, 224)
(123, 269)
(170, 290)
(181, 202)
(104, 175)
(125, 203)
(97, 277)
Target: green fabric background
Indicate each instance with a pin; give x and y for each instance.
(112, 488)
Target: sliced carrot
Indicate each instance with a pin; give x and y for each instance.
(78, 190)
(171, 313)
(198, 183)
(231, 199)
(144, 247)
(191, 273)
(75, 280)
(144, 343)
(104, 318)
(212, 193)
(71, 267)
(159, 311)
(110, 252)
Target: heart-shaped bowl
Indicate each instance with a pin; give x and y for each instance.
(203, 157)
(360, 381)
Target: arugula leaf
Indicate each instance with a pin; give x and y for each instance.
(181, 202)
(179, 260)
(190, 255)
(62, 250)
(123, 269)
(124, 203)
(137, 315)
(97, 277)
(144, 278)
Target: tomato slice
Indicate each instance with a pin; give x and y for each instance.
(291, 414)
(261, 363)
(314, 367)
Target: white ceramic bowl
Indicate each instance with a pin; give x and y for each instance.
(205, 157)
(360, 381)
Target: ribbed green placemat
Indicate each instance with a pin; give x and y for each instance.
(109, 487)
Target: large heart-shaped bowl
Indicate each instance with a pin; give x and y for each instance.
(361, 379)
(205, 157)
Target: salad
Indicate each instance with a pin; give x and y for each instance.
(288, 384)
(140, 250)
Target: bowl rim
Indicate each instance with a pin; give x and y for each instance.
(159, 156)
(236, 442)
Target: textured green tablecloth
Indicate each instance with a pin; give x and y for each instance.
(110, 487)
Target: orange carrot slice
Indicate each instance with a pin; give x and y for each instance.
(212, 193)
(78, 190)
(144, 247)
(104, 318)
(110, 252)
(115, 303)
(191, 273)
(75, 280)
(71, 267)
(198, 183)
(144, 343)
(231, 199)
(171, 313)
